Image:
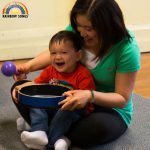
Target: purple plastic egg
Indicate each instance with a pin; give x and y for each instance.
(8, 68)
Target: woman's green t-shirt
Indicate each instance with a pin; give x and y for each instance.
(123, 57)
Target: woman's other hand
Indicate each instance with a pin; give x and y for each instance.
(76, 99)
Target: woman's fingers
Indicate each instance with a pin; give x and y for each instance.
(63, 101)
(76, 99)
(69, 93)
(66, 104)
(70, 104)
(74, 107)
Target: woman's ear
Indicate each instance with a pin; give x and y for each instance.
(79, 55)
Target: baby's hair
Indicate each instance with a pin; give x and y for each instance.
(64, 35)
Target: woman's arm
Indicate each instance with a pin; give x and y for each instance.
(39, 62)
(124, 87)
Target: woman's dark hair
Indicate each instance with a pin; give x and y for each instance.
(67, 36)
(106, 18)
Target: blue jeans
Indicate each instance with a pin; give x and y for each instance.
(60, 123)
(39, 120)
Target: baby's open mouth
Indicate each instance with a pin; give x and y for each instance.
(60, 63)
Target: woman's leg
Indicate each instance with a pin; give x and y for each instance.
(24, 111)
(98, 128)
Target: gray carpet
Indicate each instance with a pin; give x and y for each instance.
(136, 138)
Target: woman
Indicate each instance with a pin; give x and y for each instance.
(113, 57)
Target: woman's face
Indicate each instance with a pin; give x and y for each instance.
(87, 32)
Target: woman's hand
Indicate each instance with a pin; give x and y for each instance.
(39, 62)
(76, 99)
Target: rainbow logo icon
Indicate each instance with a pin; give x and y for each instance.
(15, 9)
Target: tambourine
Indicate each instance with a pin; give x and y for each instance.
(42, 95)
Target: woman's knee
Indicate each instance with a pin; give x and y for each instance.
(94, 130)
(85, 132)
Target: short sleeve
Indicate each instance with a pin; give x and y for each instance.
(69, 28)
(129, 58)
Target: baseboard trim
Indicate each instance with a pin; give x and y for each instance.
(142, 33)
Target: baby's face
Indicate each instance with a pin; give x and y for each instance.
(63, 56)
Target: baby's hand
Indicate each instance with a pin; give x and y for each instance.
(15, 93)
(19, 87)
(23, 70)
(21, 76)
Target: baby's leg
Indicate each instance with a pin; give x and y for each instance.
(39, 119)
(60, 125)
(39, 127)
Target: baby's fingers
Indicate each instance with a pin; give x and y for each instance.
(14, 96)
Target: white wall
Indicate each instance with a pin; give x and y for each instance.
(137, 18)
(26, 37)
